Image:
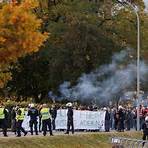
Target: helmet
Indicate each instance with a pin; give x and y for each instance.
(120, 107)
(44, 105)
(69, 104)
(32, 105)
(104, 108)
(146, 118)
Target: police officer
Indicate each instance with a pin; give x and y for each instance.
(33, 113)
(53, 112)
(19, 120)
(46, 120)
(69, 118)
(3, 117)
(145, 129)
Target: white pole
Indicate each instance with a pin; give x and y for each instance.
(138, 60)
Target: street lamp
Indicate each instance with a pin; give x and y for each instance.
(125, 2)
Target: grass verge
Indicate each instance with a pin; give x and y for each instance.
(89, 140)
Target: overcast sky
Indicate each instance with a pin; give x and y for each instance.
(146, 3)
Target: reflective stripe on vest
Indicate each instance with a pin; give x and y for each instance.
(21, 117)
(45, 113)
(2, 115)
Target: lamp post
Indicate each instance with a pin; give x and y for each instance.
(125, 2)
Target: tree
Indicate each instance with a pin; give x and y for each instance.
(78, 44)
(19, 34)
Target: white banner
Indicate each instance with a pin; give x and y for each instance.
(89, 120)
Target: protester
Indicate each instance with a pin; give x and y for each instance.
(107, 120)
(13, 119)
(145, 129)
(121, 119)
(128, 117)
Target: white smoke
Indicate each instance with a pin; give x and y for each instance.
(107, 81)
(146, 5)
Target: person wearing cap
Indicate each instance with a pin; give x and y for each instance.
(33, 113)
(145, 129)
(46, 120)
(20, 114)
(3, 118)
(70, 118)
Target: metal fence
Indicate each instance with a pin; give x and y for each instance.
(120, 142)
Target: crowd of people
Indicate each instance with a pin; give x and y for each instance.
(124, 118)
(119, 119)
(42, 112)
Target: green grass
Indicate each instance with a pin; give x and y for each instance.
(89, 140)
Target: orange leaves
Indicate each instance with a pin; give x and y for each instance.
(19, 31)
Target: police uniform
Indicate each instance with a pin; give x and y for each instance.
(46, 120)
(19, 120)
(3, 115)
(33, 113)
(70, 120)
(53, 112)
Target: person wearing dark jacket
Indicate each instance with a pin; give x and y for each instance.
(145, 129)
(3, 118)
(128, 118)
(107, 120)
(33, 113)
(13, 119)
(70, 118)
(121, 119)
(53, 112)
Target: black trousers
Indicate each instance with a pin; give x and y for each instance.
(107, 125)
(46, 124)
(145, 137)
(70, 124)
(19, 127)
(3, 126)
(53, 124)
(40, 123)
(121, 125)
(33, 123)
(13, 125)
(128, 125)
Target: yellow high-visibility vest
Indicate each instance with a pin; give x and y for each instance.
(2, 115)
(45, 113)
(21, 117)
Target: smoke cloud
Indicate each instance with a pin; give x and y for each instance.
(107, 81)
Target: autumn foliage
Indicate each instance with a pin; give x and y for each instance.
(19, 33)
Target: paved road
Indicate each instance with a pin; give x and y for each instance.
(56, 133)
